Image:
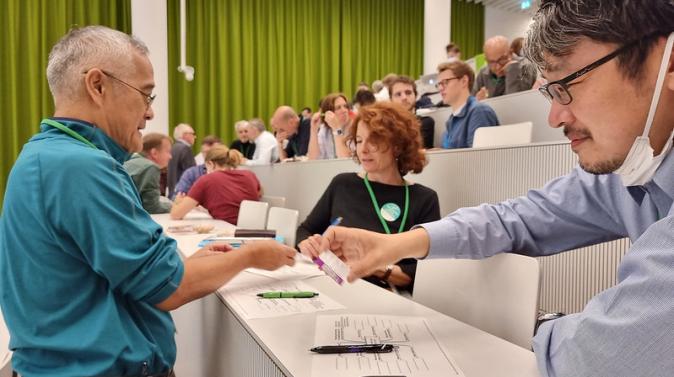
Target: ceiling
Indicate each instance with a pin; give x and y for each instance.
(509, 5)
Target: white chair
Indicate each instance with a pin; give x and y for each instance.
(252, 215)
(284, 222)
(512, 134)
(5, 353)
(274, 201)
(498, 295)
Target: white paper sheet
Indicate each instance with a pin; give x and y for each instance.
(418, 353)
(303, 269)
(250, 306)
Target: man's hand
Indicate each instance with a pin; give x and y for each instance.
(481, 94)
(281, 136)
(212, 249)
(269, 255)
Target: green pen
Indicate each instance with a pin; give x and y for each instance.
(298, 294)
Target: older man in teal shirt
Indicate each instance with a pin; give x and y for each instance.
(86, 277)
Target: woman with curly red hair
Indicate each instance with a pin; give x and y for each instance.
(388, 146)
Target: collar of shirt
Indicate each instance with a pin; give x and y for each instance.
(92, 133)
(463, 110)
(184, 142)
(664, 176)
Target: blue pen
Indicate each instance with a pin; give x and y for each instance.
(319, 262)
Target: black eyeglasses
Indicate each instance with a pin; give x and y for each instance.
(559, 90)
(149, 98)
(443, 83)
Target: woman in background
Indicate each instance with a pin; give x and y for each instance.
(388, 146)
(329, 128)
(222, 189)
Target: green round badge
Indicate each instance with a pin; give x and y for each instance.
(390, 212)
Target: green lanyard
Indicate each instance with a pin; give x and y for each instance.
(68, 131)
(377, 209)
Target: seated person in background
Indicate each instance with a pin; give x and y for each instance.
(292, 134)
(192, 174)
(403, 91)
(383, 94)
(266, 151)
(503, 74)
(329, 127)
(516, 48)
(453, 52)
(388, 146)
(454, 82)
(243, 143)
(181, 155)
(362, 98)
(144, 168)
(306, 113)
(222, 189)
(206, 145)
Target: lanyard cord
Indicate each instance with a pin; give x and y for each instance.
(68, 131)
(378, 210)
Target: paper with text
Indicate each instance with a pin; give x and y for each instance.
(418, 353)
(246, 301)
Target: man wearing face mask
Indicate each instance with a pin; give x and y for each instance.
(612, 91)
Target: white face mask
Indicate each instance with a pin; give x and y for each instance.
(640, 164)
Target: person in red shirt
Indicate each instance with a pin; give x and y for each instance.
(222, 189)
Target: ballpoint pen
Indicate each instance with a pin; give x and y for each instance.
(355, 348)
(297, 294)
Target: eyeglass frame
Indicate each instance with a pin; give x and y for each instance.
(149, 98)
(444, 82)
(565, 82)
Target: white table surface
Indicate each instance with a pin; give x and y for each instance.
(287, 339)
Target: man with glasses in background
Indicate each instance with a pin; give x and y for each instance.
(504, 73)
(454, 82)
(611, 82)
(86, 276)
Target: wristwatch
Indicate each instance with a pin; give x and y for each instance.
(338, 132)
(387, 274)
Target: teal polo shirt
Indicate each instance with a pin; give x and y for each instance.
(82, 264)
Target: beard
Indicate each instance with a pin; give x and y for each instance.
(606, 166)
(602, 167)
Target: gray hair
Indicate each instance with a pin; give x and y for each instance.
(559, 25)
(239, 124)
(180, 130)
(258, 124)
(84, 48)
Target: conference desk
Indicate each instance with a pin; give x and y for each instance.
(214, 339)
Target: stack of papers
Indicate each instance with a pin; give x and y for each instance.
(418, 353)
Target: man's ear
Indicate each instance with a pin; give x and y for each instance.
(93, 85)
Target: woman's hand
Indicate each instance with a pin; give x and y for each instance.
(311, 246)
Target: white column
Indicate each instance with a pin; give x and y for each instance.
(149, 23)
(436, 32)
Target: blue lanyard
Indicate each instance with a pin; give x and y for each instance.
(68, 131)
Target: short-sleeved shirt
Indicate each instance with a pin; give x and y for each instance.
(82, 264)
(221, 192)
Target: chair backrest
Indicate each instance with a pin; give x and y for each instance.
(5, 353)
(498, 295)
(511, 134)
(274, 201)
(284, 222)
(252, 215)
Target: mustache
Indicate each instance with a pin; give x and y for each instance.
(576, 132)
